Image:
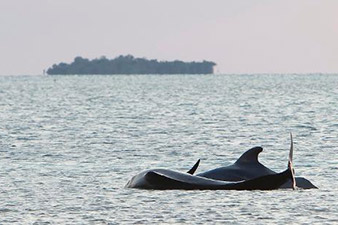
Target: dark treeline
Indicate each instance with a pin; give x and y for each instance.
(130, 65)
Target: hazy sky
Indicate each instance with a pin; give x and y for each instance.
(272, 36)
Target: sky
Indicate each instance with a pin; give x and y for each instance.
(263, 36)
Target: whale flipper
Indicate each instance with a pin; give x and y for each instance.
(194, 168)
(290, 164)
(250, 156)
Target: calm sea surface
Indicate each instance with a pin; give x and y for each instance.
(69, 144)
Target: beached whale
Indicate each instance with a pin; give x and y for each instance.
(163, 179)
(248, 167)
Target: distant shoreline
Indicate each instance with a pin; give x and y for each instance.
(129, 65)
(216, 74)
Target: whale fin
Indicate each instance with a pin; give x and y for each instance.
(194, 168)
(290, 165)
(250, 156)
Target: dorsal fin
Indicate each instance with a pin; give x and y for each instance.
(250, 156)
(194, 168)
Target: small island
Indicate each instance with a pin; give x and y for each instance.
(130, 65)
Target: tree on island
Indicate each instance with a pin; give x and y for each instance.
(130, 65)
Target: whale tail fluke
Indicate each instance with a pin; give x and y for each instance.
(290, 165)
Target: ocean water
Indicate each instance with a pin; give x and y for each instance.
(69, 144)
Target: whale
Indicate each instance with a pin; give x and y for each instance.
(248, 167)
(165, 179)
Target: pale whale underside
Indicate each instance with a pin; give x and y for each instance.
(248, 167)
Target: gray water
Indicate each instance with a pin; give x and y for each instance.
(69, 144)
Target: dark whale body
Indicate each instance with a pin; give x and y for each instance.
(163, 179)
(248, 167)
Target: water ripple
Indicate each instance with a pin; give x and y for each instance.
(69, 144)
